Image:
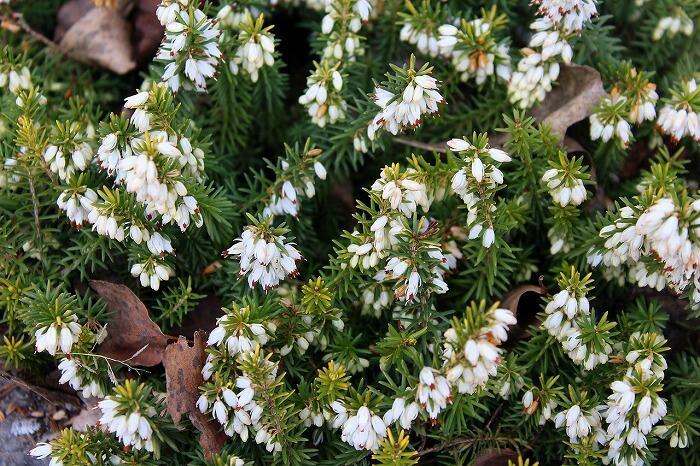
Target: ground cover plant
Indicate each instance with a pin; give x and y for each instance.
(354, 231)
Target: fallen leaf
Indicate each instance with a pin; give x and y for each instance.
(101, 37)
(512, 298)
(147, 33)
(87, 417)
(496, 457)
(579, 89)
(183, 376)
(131, 334)
(525, 317)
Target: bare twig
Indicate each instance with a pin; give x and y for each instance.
(465, 442)
(431, 146)
(37, 226)
(18, 20)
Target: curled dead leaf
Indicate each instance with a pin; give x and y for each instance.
(525, 317)
(578, 90)
(102, 37)
(512, 298)
(132, 336)
(496, 457)
(183, 376)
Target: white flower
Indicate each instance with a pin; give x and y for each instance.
(420, 96)
(42, 450)
(58, 336)
(679, 117)
(256, 49)
(18, 80)
(71, 374)
(475, 54)
(569, 14)
(473, 183)
(425, 39)
(189, 50)
(323, 98)
(402, 413)
(133, 428)
(65, 163)
(433, 392)
(9, 178)
(362, 430)
(469, 366)
(152, 272)
(77, 204)
(237, 333)
(265, 257)
(539, 68)
(672, 25)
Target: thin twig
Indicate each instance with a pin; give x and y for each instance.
(37, 225)
(435, 147)
(19, 21)
(464, 442)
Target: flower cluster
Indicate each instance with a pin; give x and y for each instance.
(59, 335)
(404, 413)
(77, 203)
(239, 400)
(418, 270)
(404, 99)
(420, 27)
(234, 411)
(608, 121)
(8, 174)
(572, 15)
(264, 253)
(79, 377)
(539, 68)
(256, 47)
(581, 423)
(237, 332)
(471, 352)
(16, 79)
(680, 115)
(151, 272)
(570, 321)
(55, 321)
(361, 428)
(433, 392)
(129, 414)
(565, 181)
(473, 47)
(70, 153)
(477, 182)
(634, 406)
(323, 99)
(189, 50)
(340, 28)
(153, 162)
(666, 232)
(294, 181)
(672, 25)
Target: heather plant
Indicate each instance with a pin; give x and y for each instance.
(360, 232)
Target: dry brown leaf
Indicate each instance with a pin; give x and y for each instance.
(512, 298)
(87, 417)
(101, 37)
(183, 376)
(131, 334)
(578, 89)
(496, 457)
(525, 317)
